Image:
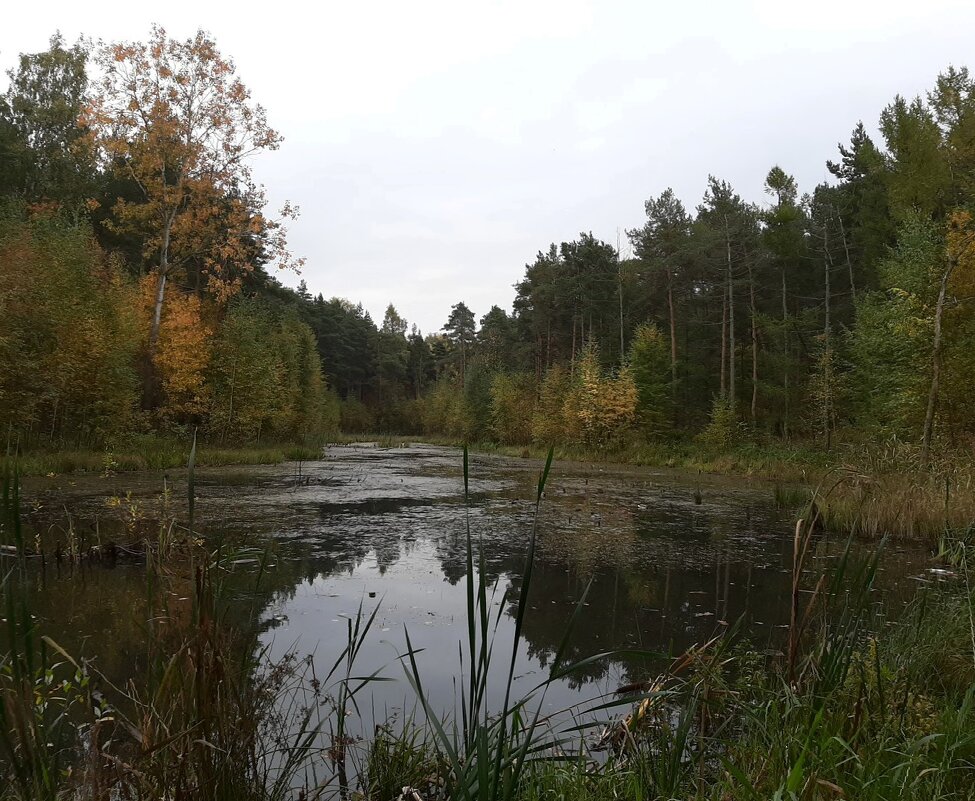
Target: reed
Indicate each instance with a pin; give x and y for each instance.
(856, 706)
(153, 453)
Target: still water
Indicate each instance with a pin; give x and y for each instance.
(670, 559)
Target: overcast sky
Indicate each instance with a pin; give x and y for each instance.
(435, 147)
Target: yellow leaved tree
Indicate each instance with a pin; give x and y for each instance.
(182, 354)
(603, 407)
(171, 120)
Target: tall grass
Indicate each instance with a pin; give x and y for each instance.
(854, 706)
(888, 490)
(488, 749)
(209, 714)
(154, 453)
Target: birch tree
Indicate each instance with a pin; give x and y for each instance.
(172, 118)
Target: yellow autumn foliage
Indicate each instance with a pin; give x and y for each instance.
(512, 408)
(182, 354)
(548, 425)
(601, 408)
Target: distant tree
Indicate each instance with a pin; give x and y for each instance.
(495, 339)
(460, 329)
(650, 368)
(182, 358)
(728, 227)
(957, 271)
(602, 408)
(568, 297)
(244, 375)
(664, 244)
(303, 402)
(346, 337)
(392, 356)
(918, 171)
(512, 407)
(548, 420)
(45, 152)
(952, 103)
(890, 346)
(420, 363)
(68, 333)
(784, 239)
(863, 201)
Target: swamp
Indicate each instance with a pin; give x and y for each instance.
(363, 595)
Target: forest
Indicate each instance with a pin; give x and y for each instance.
(661, 634)
(139, 290)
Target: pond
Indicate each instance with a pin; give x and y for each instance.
(669, 558)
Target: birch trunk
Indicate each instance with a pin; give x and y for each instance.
(936, 362)
(751, 294)
(731, 322)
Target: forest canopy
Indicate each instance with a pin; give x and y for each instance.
(138, 290)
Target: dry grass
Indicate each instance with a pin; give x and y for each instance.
(890, 492)
(153, 454)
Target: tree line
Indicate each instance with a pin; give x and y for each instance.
(845, 311)
(138, 289)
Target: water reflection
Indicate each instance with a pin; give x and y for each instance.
(668, 559)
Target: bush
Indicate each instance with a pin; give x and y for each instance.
(512, 408)
(355, 417)
(723, 430)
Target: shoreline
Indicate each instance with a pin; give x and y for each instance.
(866, 491)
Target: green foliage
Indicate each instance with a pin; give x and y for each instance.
(460, 329)
(649, 363)
(826, 392)
(512, 408)
(728, 298)
(355, 417)
(602, 408)
(68, 337)
(265, 377)
(443, 410)
(304, 404)
(45, 154)
(477, 404)
(570, 296)
(891, 343)
(918, 173)
(245, 377)
(548, 421)
(723, 429)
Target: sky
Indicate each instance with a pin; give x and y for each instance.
(435, 147)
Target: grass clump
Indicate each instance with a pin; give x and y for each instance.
(894, 491)
(154, 453)
(853, 706)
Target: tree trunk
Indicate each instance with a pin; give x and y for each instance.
(828, 399)
(751, 293)
(622, 342)
(731, 322)
(673, 337)
(849, 262)
(162, 271)
(548, 346)
(572, 362)
(724, 342)
(157, 313)
(936, 362)
(230, 405)
(785, 352)
(827, 265)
